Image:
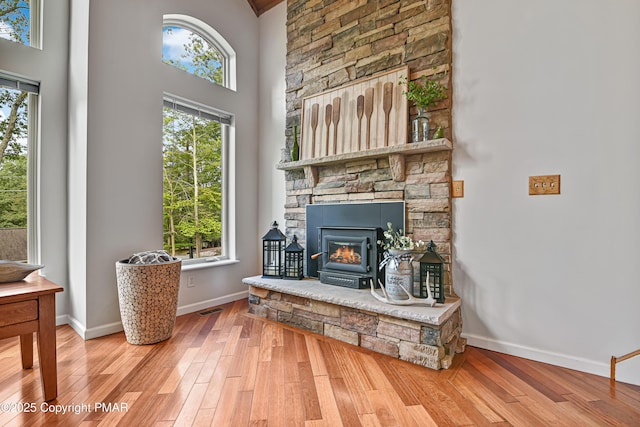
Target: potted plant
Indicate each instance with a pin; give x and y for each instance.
(425, 93)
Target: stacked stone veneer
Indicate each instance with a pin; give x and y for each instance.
(334, 42)
(331, 43)
(432, 346)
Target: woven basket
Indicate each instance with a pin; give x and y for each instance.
(148, 297)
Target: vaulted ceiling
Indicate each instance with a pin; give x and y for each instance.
(261, 6)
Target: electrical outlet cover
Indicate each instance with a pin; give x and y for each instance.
(544, 184)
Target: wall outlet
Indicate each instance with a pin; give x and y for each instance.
(191, 283)
(457, 189)
(544, 184)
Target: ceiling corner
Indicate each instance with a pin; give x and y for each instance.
(261, 6)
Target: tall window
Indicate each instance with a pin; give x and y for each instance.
(17, 111)
(19, 21)
(194, 149)
(195, 145)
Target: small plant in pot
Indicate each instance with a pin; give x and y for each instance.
(424, 93)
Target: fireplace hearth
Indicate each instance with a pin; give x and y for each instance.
(349, 256)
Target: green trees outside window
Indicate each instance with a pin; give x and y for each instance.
(15, 20)
(13, 159)
(193, 185)
(190, 52)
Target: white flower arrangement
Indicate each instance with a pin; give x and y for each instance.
(396, 240)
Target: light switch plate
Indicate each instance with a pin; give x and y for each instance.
(544, 184)
(457, 189)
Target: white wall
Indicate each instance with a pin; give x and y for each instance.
(125, 83)
(49, 66)
(549, 87)
(273, 61)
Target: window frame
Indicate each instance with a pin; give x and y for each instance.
(208, 103)
(33, 160)
(226, 121)
(211, 36)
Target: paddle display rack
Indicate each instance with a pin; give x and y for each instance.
(368, 114)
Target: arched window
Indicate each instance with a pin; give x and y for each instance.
(195, 47)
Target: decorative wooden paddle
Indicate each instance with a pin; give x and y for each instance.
(368, 110)
(359, 113)
(336, 119)
(314, 125)
(387, 102)
(327, 121)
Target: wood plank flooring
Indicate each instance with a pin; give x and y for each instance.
(234, 369)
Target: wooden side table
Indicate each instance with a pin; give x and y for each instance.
(26, 307)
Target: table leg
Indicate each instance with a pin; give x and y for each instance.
(26, 349)
(47, 345)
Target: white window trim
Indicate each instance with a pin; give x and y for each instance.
(35, 24)
(211, 36)
(34, 246)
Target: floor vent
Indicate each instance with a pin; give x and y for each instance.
(211, 311)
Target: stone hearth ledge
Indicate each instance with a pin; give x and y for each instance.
(426, 336)
(360, 299)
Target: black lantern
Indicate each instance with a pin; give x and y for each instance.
(272, 247)
(293, 255)
(432, 273)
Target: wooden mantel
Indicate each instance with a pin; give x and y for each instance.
(395, 153)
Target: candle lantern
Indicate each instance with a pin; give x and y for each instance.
(293, 256)
(272, 250)
(432, 271)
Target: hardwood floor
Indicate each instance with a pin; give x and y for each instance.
(231, 368)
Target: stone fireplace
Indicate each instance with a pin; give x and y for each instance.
(329, 46)
(415, 177)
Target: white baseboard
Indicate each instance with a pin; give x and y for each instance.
(557, 359)
(102, 330)
(191, 308)
(115, 327)
(75, 325)
(98, 331)
(63, 319)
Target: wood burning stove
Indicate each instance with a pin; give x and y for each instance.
(336, 218)
(349, 256)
